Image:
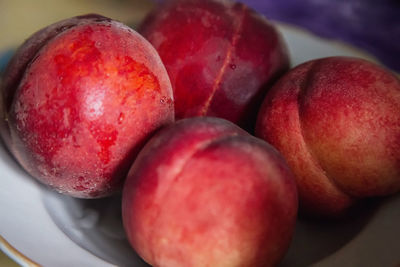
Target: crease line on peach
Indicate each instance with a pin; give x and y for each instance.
(228, 57)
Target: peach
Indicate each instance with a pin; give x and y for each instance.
(337, 122)
(203, 192)
(80, 98)
(221, 57)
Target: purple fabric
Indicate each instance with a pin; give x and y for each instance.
(372, 25)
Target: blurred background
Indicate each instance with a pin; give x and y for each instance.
(369, 25)
(21, 18)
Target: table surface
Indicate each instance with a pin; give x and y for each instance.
(5, 261)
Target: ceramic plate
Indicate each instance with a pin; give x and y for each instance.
(39, 226)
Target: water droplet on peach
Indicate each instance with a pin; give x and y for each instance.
(121, 118)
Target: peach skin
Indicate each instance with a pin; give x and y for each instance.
(203, 192)
(79, 99)
(221, 57)
(337, 122)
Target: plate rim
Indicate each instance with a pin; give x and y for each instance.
(15, 254)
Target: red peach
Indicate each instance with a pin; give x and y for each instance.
(203, 192)
(337, 122)
(221, 57)
(80, 98)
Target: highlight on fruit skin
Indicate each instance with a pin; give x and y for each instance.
(79, 99)
(336, 121)
(222, 57)
(203, 192)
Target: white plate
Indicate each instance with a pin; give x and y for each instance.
(54, 230)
